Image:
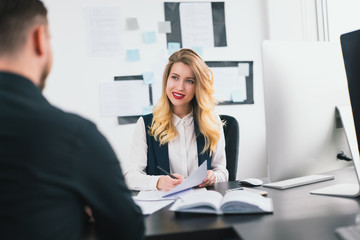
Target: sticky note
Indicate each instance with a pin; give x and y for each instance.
(236, 96)
(149, 37)
(244, 69)
(147, 110)
(165, 27)
(132, 24)
(173, 47)
(198, 50)
(132, 55)
(148, 77)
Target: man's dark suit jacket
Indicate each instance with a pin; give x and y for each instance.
(53, 163)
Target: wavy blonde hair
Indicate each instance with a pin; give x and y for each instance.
(203, 103)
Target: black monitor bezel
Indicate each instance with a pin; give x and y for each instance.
(347, 46)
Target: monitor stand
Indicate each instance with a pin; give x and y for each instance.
(346, 190)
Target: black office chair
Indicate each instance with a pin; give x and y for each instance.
(231, 132)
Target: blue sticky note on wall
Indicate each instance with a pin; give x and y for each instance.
(132, 55)
(147, 110)
(148, 77)
(149, 37)
(236, 96)
(198, 50)
(173, 47)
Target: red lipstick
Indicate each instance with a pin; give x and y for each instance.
(178, 95)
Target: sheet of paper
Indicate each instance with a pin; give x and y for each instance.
(157, 66)
(152, 201)
(150, 196)
(196, 24)
(149, 207)
(123, 98)
(154, 195)
(193, 180)
(244, 69)
(227, 81)
(132, 24)
(104, 31)
(236, 96)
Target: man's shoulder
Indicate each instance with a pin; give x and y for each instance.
(77, 119)
(67, 121)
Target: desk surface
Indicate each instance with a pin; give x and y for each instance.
(297, 215)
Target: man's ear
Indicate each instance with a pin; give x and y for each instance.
(39, 40)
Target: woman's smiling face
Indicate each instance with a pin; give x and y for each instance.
(180, 88)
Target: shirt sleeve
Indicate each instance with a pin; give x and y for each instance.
(101, 185)
(218, 161)
(135, 166)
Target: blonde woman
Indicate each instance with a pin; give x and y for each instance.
(182, 132)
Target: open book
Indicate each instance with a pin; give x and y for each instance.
(234, 202)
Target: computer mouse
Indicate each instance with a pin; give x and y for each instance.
(251, 182)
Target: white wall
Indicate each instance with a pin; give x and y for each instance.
(74, 81)
(343, 17)
(294, 20)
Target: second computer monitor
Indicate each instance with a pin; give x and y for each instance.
(351, 52)
(303, 84)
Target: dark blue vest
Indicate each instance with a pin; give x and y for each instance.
(158, 155)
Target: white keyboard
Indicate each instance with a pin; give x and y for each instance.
(348, 233)
(294, 182)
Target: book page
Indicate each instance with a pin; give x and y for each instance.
(152, 201)
(245, 202)
(202, 202)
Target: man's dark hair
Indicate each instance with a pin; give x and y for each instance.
(16, 18)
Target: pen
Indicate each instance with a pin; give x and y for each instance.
(167, 173)
(235, 189)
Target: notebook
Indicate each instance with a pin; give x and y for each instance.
(233, 202)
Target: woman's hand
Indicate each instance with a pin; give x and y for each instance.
(166, 183)
(209, 180)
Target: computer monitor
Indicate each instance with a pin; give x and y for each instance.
(303, 84)
(350, 45)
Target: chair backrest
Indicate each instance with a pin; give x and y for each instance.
(232, 133)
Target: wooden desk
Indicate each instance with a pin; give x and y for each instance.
(297, 215)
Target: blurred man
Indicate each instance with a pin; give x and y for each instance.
(52, 163)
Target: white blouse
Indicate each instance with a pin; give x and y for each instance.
(183, 155)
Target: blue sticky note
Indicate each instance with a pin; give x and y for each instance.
(132, 55)
(148, 77)
(236, 96)
(147, 109)
(149, 37)
(173, 47)
(198, 50)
